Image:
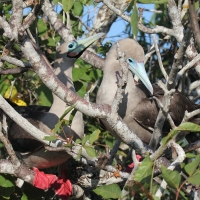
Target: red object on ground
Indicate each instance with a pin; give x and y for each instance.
(131, 166)
(61, 186)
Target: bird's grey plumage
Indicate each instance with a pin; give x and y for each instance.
(137, 110)
(33, 152)
(132, 95)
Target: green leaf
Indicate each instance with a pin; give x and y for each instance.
(89, 2)
(112, 191)
(144, 172)
(78, 141)
(45, 97)
(94, 136)
(191, 167)
(80, 88)
(4, 85)
(67, 111)
(5, 182)
(155, 197)
(187, 126)
(77, 8)
(134, 20)
(90, 151)
(130, 7)
(85, 139)
(77, 73)
(110, 141)
(55, 2)
(50, 138)
(24, 197)
(67, 5)
(190, 155)
(83, 1)
(153, 1)
(42, 27)
(172, 178)
(195, 179)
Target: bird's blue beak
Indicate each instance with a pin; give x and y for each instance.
(75, 47)
(138, 69)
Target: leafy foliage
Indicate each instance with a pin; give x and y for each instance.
(109, 191)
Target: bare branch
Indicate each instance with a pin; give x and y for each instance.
(6, 27)
(192, 147)
(157, 29)
(15, 61)
(16, 17)
(194, 22)
(30, 18)
(189, 115)
(187, 67)
(159, 59)
(161, 117)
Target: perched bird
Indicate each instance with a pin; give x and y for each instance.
(32, 151)
(137, 109)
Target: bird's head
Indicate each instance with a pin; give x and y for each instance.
(76, 47)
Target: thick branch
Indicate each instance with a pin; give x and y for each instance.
(16, 17)
(194, 22)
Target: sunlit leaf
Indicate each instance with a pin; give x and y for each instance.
(24, 197)
(194, 179)
(55, 2)
(90, 151)
(77, 8)
(85, 139)
(10, 92)
(4, 85)
(78, 141)
(67, 5)
(50, 138)
(83, 1)
(112, 191)
(77, 73)
(153, 1)
(155, 197)
(190, 168)
(172, 178)
(134, 20)
(5, 182)
(190, 155)
(94, 136)
(67, 111)
(42, 27)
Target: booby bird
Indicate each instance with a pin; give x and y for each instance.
(137, 110)
(32, 151)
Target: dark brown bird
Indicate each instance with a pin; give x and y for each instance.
(32, 151)
(137, 110)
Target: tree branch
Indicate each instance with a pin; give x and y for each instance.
(194, 22)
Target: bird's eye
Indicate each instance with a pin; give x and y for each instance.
(72, 46)
(129, 60)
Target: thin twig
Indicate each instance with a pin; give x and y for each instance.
(159, 58)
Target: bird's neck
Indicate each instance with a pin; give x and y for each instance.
(63, 70)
